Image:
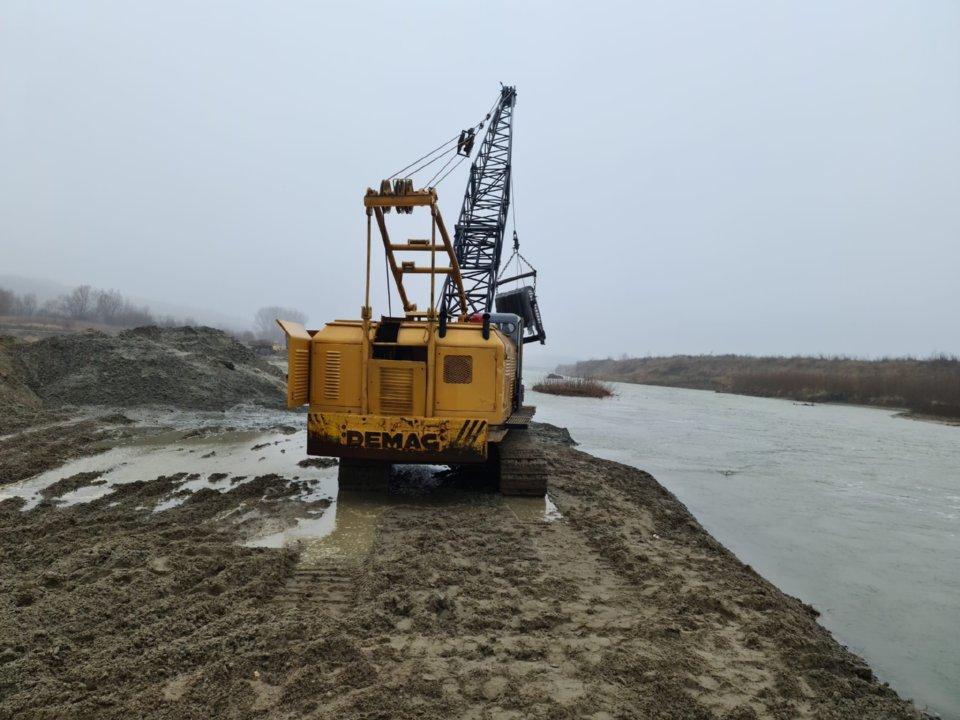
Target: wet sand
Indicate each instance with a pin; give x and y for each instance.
(443, 600)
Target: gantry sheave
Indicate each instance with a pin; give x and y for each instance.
(404, 199)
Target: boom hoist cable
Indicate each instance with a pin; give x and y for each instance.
(459, 145)
(478, 237)
(478, 240)
(479, 231)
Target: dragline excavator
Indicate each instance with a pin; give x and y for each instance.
(440, 385)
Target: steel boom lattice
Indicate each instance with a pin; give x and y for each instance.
(478, 236)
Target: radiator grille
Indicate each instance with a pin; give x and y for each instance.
(298, 375)
(396, 391)
(458, 369)
(331, 376)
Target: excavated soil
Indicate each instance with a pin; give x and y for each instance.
(19, 405)
(189, 367)
(453, 603)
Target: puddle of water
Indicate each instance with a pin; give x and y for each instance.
(344, 531)
(188, 487)
(551, 513)
(241, 417)
(305, 529)
(347, 529)
(533, 509)
(170, 453)
(85, 494)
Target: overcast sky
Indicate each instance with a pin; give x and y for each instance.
(751, 177)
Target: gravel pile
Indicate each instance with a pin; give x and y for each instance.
(189, 367)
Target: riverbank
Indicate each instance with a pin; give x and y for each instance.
(450, 600)
(848, 507)
(926, 388)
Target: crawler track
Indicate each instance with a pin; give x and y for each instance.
(523, 465)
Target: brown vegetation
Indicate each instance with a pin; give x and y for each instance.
(85, 304)
(108, 311)
(576, 387)
(929, 386)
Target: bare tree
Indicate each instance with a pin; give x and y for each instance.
(27, 305)
(108, 307)
(132, 316)
(79, 303)
(53, 308)
(8, 302)
(86, 303)
(265, 321)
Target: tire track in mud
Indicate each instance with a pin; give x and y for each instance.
(509, 613)
(323, 583)
(502, 613)
(329, 569)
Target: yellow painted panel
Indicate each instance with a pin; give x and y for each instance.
(469, 335)
(399, 438)
(397, 387)
(480, 393)
(336, 376)
(298, 363)
(412, 336)
(340, 332)
(510, 378)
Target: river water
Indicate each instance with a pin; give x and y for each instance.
(852, 509)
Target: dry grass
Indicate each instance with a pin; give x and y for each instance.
(929, 386)
(576, 387)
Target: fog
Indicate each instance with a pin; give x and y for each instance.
(748, 177)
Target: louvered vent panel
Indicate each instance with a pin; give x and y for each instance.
(331, 376)
(511, 371)
(396, 391)
(458, 369)
(299, 375)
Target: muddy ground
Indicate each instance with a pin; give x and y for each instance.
(57, 437)
(441, 601)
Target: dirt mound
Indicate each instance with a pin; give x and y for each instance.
(17, 401)
(190, 367)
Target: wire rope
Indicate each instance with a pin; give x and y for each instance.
(462, 158)
(439, 147)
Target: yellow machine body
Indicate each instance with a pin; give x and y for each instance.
(438, 383)
(421, 398)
